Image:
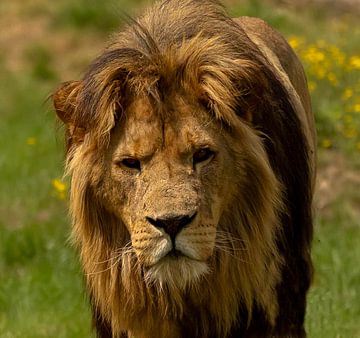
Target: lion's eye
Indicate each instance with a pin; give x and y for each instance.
(202, 155)
(131, 163)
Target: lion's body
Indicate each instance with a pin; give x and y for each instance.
(191, 150)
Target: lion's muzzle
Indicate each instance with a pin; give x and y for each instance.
(172, 224)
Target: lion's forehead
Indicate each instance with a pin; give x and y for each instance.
(144, 130)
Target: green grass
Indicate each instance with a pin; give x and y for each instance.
(41, 288)
(40, 281)
(104, 16)
(333, 303)
(41, 293)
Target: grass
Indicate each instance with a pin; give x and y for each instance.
(333, 305)
(94, 15)
(41, 289)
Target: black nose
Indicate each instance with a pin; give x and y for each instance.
(171, 224)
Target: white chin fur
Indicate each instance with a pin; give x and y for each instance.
(176, 272)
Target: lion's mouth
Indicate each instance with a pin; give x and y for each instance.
(174, 253)
(174, 256)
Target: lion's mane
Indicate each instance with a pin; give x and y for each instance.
(193, 45)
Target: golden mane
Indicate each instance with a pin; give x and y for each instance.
(194, 47)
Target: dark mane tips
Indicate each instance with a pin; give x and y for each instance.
(208, 56)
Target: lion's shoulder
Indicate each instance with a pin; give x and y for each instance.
(263, 34)
(287, 67)
(266, 37)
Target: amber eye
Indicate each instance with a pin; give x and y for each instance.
(202, 155)
(131, 163)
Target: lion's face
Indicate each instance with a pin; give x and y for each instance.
(164, 179)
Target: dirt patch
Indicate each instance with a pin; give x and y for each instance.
(338, 6)
(336, 179)
(25, 27)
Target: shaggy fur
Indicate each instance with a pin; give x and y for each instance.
(182, 78)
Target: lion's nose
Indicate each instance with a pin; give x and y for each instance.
(171, 224)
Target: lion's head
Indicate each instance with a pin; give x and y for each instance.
(169, 177)
(172, 188)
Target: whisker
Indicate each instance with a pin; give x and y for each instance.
(226, 243)
(229, 237)
(102, 271)
(231, 254)
(229, 249)
(119, 254)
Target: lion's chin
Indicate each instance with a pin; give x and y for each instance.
(176, 271)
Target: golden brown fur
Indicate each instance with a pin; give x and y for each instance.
(172, 84)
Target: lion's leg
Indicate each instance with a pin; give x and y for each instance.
(99, 324)
(258, 327)
(102, 328)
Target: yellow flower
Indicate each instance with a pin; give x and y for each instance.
(321, 72)
(357, 108)
(358, 146)
(337, 55)
(314, 55)
(312, 86)
(295, 42)
(354, 62)
(31, 141)
(326, 143)
(60, 188)
(350, 133)
(332, 79)
(348, 92)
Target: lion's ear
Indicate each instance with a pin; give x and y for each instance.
(65, 100)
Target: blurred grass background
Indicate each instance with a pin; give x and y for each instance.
(43, 43)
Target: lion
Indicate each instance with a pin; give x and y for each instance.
(191, 150)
